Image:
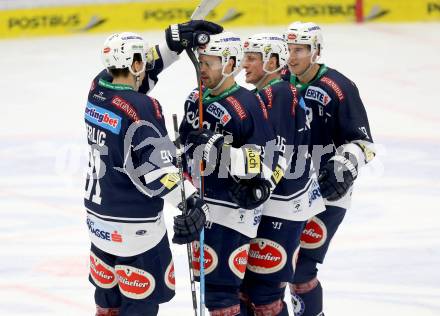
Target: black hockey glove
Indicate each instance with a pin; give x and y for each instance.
(190, 34)
(250, 193)
(206, 146)
(337, 176)
(187, 227)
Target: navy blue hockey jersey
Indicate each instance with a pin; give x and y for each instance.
(236, 112)
(297, 195)
(336, 113)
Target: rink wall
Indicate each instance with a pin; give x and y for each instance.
(79, 16)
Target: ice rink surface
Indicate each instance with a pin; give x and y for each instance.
(385, 258)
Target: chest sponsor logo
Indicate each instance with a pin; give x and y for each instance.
(103, 118)
(210, 258)
(134, 283)
(219, 112)
(314, 234)
(102, 274)
(318, 94)
(238, 261)
(266, 256)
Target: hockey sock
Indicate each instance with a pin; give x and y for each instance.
(307, 298)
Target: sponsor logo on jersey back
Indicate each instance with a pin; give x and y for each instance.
(314, 234)
(103, 118)
(266, 256)
(318, 94)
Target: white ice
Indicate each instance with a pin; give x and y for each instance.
(385, 257)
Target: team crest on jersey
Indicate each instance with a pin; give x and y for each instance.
(318, 94)
(102, 274)
(219, 112)
(103, 118)
(210, 258)
(314, 234)
(170, 279)
(134, 283)
(266, 256)
(238, 260)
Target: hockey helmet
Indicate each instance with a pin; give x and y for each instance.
(119, 50)
(224, 45)
(307, 33)
(268, 44)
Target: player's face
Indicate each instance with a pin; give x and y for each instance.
(299, 59)
(210, 70)
(253, 65)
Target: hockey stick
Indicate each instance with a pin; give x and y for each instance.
(193, 58)
(200, 13)
(204, 8)
(185, 211)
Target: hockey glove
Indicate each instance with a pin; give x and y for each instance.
(187, 227)
(250, 193)
(204, 145)
(190, 34)
(337, 176)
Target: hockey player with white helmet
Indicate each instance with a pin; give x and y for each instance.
(296, 197)
(130, 174)
(229, 111)
(342, 144)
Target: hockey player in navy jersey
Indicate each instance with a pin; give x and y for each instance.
(296, 198)
(178, 37)
(229, 112)
(342, 144)
(130, 174)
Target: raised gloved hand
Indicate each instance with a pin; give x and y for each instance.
(204, 145)
(337, 176)
(187, 227)
(250, 193)
(190, 34)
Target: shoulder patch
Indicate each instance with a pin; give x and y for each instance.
(329, 82)
(125, 107)
(157, 109)
(295, 98)
(269, 96)
(263, 107)
(238, 108)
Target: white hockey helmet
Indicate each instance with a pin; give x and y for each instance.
(224, 45)
(268, 44)
(119, 50)
(307, 33)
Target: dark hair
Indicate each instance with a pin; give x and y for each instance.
(278, 59)
(124, 72)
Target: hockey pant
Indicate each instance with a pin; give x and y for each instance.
(132, 286)
(271, 266)
(306, 289)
